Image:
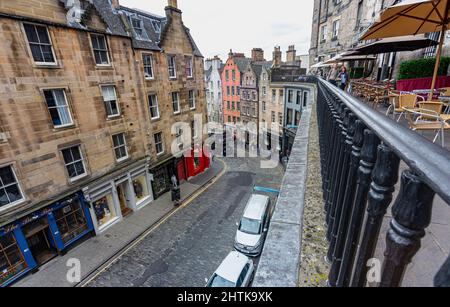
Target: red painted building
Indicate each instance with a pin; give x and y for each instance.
(231, 86)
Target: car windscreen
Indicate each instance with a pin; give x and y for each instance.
(220, 282)
(250, 226)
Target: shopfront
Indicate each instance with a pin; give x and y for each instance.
(114, 199)
(197, 163)
(39, 237)
(162, 177)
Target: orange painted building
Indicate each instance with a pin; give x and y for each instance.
(231, 86)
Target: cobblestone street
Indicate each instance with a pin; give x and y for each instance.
(189, 246)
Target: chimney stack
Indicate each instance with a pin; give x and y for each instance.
(173, 3)
(115, 4)
(277, 56)
(258, 55)
(291, 54)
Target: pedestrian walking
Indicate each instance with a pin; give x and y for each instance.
(343, 77)
(333, 74)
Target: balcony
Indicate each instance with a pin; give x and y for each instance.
(364, 202)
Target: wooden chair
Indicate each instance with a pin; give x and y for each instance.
(427, 120)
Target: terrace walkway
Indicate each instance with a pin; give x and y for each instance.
(310, 267)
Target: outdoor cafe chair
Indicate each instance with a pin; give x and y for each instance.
(427, 120)
(402, 102)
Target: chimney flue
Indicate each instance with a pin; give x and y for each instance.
(115, 4)
(258, 55)
(291, 54)
(277, 57)
(173, 3)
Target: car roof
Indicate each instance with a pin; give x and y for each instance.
(231, 267)
(256, 206)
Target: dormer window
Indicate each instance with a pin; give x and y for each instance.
(156, 26)
(136, 23)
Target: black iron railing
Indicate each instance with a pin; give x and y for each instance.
(361, 150)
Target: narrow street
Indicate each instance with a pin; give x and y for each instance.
(189, 246)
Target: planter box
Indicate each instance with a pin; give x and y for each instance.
(409, 85)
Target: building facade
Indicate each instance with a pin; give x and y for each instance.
(213, 84)
(339, 25)
(231, 85)
(88, 103)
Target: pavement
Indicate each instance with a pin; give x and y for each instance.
(190, 245)
(94, 252)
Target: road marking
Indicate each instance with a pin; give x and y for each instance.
(141, 237)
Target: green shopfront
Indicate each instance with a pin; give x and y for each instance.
(42, 235)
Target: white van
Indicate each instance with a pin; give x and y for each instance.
(252, 229)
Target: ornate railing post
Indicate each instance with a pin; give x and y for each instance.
(411, 215)
(355, 138)
(341, 180)
(336, 167)
(333, 139)
(366, 164)
(384, 177)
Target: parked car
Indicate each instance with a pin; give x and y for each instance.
(252, 229)
(236, 270)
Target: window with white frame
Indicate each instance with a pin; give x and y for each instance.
(120, 146)
(110, 99)
(189, 67)
(40, 44)
(171, 62)
(58, 107)
(159, 143)
(10, 191)
(136, 23)
(176, 102)
(324, 33)
(147, 60)
(74, 162)
(192, 99)
(100, 49)
(153, 105)
(336, 24)
(156, 26)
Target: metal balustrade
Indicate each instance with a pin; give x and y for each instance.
(360, 151)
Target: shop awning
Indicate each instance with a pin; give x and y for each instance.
(397, 44)
(320, 64)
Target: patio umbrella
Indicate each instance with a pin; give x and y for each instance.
(397, 44)
(414, 17)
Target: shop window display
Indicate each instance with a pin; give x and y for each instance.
(11, 258)
(140, 188)
(104, 210)
(71, 221)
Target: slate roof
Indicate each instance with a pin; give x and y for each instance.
(242, 63)
(151, 38)
(111, 19)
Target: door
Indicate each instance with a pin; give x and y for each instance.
(181, 171)
(161, 181)
(122, 192)
(40, 241)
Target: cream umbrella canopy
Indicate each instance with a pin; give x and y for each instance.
(413, 17)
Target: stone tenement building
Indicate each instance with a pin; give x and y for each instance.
(338, 26)
(88, 96)
(213, 71)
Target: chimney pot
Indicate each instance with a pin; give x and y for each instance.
(173, 3)
(115, 4)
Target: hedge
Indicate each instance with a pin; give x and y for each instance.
(422, 68)
(356, 72)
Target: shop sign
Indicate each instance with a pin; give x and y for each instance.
(36, 215)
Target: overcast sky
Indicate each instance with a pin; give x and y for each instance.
(218, 25)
